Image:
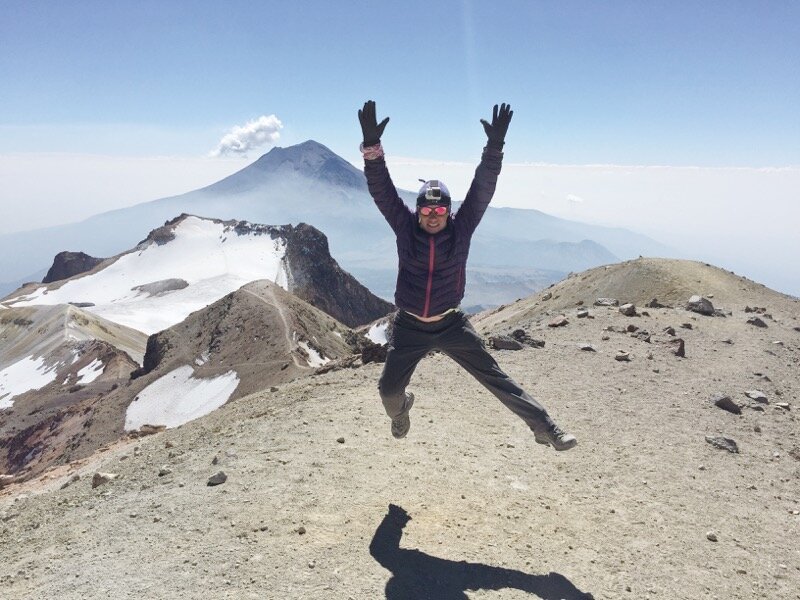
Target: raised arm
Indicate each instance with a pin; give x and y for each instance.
(485, 181)
(379, 182)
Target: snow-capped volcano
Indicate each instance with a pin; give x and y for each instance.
(173, 273)
(191, 262)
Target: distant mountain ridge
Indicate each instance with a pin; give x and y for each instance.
(308, 183)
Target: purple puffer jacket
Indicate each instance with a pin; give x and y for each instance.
(432, 267)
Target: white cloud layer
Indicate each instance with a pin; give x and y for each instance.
(242, 139)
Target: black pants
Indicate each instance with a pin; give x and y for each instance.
(454, 335)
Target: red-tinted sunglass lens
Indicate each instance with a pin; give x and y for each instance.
(427, 210)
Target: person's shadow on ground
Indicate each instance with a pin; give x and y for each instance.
(419, 576)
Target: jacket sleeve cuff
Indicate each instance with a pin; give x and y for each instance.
(371, 152)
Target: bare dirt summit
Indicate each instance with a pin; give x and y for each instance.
(301, 492)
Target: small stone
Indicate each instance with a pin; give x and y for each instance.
(301, 530)
(679, 349)
(165, 470)
(622, 356)
(311, 564)
(757, 428)
(583, 313)
(70, 481)
(504, 342)
(687, 326)
(273, 389)
(101, 478)
(758, 396)
(726, 403)
(629, 309)
(588, 348)
(783, 405)
(217, 479)
(711, 536)
(605, 338)
(168, 444)
(606, 302)
(559, 321)
(340, 440)
(669, 330)
(756, 322)
(723, 443)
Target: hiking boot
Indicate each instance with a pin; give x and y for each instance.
(402, 423)
(552, 435)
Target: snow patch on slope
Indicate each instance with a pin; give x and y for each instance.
(22, 376)
(91, 371)
(178, 397)
(377, 333)
(212, 260)
(314, 357)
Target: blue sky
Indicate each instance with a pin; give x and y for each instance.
(106, 104)
(678, 83)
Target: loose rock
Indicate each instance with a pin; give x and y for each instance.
(756, 322)
(217, 479)
(606, 302)
(629, 310)
(559, 321)
(679, 347)
(504, 342)
(726, 403)
(622, 356)
(99, 479)
(700, 305)
(723, 443)
(654, 303)
(758, 396)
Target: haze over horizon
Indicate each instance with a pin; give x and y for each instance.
(679, 122)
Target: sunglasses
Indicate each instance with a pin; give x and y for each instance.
(438, 210)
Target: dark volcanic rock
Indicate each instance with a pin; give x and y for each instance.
(755, 321)
(726, 403)
(700, 305)
(373, 352)
(315, 277)
(504, 342)
(723, 443)
(69, 264)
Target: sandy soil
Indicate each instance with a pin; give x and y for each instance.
(321, 502)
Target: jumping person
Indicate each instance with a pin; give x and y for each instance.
(432, 248)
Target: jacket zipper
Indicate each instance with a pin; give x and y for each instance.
(431, 254)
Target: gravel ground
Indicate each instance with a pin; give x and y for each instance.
(321, 502)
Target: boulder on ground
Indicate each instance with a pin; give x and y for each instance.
(504, 342)
(700, 305)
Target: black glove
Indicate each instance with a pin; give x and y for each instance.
(496, 132)
(370, 127)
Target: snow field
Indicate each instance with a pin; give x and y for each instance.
(22, 376)
(213, 261)
(178, 397)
